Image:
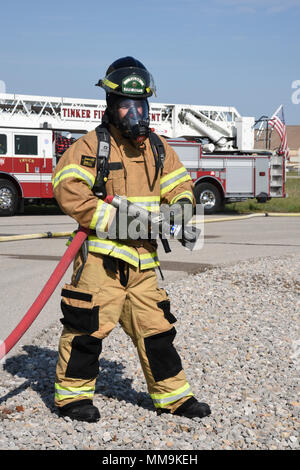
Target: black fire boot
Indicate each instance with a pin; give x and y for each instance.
(81, 410)
(192, 408)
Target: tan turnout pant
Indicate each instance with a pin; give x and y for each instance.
(91, 310)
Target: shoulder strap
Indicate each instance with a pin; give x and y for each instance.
(103, 153)
(158, 150)
(158, 153)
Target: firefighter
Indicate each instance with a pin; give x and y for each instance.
(114, 279)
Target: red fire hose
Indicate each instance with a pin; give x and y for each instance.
(45, 293)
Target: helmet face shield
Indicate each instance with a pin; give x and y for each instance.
(129, 115)
(133, 117)
(133, 110)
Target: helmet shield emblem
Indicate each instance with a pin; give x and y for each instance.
(133, 85)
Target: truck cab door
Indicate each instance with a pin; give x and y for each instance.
(26, 162)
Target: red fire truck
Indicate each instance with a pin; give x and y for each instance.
(215, 144)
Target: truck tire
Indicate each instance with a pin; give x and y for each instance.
(209, 196)
(9, 198)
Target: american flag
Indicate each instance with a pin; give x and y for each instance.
(277, 122)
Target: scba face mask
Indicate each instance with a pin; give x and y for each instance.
(131, 116)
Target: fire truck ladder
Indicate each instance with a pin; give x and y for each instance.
(26, 111)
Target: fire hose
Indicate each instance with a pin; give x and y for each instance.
(45, 293)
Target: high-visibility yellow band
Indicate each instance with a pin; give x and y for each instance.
(171, 175)
(160, 400)
(74, 171)
(113, 248)
(120, 251)
(184, 194)
(150, 203)
(101, 216)
(149, 260)
(109, 83)
(64, 393)
(173, 179)
(143, 198)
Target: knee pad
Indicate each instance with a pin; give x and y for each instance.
(84, 357)
(163, 358)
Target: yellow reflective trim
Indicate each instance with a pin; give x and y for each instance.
(150, 203)
(172, 174)
(153, 260)
(105, 218)
(143, 198)
(162, 399)
(174, 184)
(185, 194)
(109, 83)
(148, 255)
(154, 264)
(96, 214)
(64, 393)
(101, 216)
(73, 171)
(164, 404)
(159, 396)
(74, 389)
(113, 248)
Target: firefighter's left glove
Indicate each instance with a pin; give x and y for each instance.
(179, 213)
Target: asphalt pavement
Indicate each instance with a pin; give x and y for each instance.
(25, 266)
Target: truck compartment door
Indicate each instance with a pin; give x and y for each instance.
(239, 176)
(261, 176)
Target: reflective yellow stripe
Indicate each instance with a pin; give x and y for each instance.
(64, 393)
(150, 203)
(149, 260)
(120, 251)
(185, 194)
(173, 179)
(143, 198)
(101, 215)
(109, 83)
(160, 400)
(73, 171)
(113, 248)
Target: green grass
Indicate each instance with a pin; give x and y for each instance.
(288, 204)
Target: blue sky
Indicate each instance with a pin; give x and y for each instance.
(242, 53)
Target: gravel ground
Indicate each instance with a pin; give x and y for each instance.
(238, 336)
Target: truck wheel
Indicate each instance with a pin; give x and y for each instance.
(9, 198)
(209, 196)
